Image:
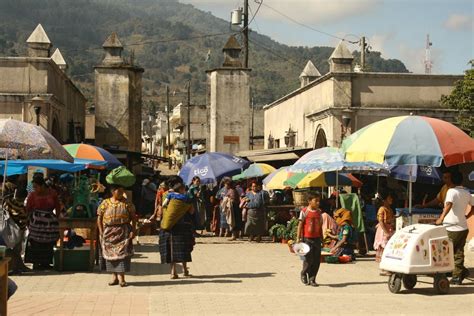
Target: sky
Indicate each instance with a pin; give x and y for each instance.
(396, 28)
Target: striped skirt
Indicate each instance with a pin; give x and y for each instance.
(177, 245)
(43, 227)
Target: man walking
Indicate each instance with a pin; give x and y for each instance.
(454, 219)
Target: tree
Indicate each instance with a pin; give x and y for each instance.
(462, 99)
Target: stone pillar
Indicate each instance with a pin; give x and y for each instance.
(229, 103)
(38, 43)
(118, 99)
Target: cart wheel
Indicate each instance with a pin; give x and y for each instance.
(395, 283)
(441, 284)
(409, 281)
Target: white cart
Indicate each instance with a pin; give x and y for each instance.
(418, 250)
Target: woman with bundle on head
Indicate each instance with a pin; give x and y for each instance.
(116, 223)
(176, 234)
(43, 208)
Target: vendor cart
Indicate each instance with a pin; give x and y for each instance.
(418, 249)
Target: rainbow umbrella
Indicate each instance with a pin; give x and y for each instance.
(85, 151)
(321, 179)
(410, 140)
(274, 181)
(255, 170)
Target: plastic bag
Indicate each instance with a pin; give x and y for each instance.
(470, 245)
(9, 230)
(121, 176)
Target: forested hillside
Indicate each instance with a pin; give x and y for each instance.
(169, 39)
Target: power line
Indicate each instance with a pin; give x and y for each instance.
(169, 40)
(308, 26)
(294, 63)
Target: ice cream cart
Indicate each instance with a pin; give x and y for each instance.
(418, 249)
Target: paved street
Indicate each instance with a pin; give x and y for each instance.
(238, 279)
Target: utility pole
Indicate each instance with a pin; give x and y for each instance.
(189, 145)
(362, 53)
(428, 63)
(246, 33)
(168, 119)
(252, 128)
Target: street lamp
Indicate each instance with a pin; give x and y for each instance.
(37, 102)
(290, 137)
(346, 121)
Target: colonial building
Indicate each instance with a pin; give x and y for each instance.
(198, 120)
(326, 108)
(35, 88)
(118, 99)
(229, 103)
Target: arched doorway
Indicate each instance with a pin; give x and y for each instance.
(55, 130)
(320, 139)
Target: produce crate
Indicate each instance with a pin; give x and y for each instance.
(76, 259)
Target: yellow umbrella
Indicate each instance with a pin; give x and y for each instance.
(321, 180)
(276, 179)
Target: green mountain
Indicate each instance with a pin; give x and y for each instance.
(174, 42)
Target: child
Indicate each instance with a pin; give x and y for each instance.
(310, 229)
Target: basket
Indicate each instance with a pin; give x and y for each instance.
(300, 197)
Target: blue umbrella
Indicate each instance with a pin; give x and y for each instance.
(414, 173)
(331, 159)
(211, 167)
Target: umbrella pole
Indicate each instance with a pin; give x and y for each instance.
(4, 174)
(337, 192)
(410, 196)
(377, 191)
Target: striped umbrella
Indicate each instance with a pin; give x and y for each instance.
(410, 140)
(274, 181)
(321, 180)
(85, 151)
(255, 170)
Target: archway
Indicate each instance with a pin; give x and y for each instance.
(321, 140)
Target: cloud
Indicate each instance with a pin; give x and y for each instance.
(378, 42)
(459, 22)
(313, 12)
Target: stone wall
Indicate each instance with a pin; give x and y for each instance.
(370, 96)
(22, 78)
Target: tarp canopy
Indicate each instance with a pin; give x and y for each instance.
(21, 166)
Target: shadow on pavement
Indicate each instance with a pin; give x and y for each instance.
(352, 283)
(236, 276)
(181, 282)
(464, 289)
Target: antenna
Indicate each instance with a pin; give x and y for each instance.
(428, 62)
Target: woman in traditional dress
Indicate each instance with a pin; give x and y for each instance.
(220, 195)
(116, 222)
(43, 208)
(347, 235)
(177, 243)
(255, 215)
(230, 209)
(386, 225)
(195, 194)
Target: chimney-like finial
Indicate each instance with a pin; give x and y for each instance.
(113, 50)
(38, 43)
(232, 51)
